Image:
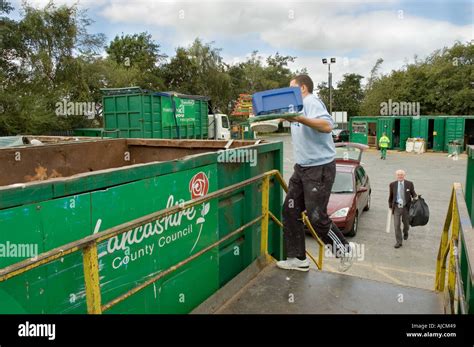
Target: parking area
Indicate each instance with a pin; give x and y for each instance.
(413, 264)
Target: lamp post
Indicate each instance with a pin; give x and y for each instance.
(328, 63)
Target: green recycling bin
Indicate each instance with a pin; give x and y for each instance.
(61, 193)
(455, 148)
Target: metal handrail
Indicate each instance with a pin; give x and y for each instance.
(88, 245)
(460, 240)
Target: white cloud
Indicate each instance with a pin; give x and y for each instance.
(360, 30)
(380, 30)
(359, 65)
(341, 28)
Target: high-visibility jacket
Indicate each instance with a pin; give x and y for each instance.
(384, 141)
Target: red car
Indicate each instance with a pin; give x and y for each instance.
(351, 190)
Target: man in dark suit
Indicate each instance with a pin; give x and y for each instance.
(401, 194)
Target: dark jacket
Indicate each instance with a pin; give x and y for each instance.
(409, 194)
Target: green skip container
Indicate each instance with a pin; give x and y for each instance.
(55, 194)
(136, 113)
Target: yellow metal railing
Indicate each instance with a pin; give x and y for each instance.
(88, 245)
(459, 242)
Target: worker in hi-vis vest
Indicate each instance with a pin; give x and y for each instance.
(383, 144)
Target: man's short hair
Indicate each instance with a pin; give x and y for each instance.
(400, 171)
(304, 80)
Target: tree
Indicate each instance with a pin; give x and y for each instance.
(212, 78)
(138, 50)
(441, 83)
(257, 74)
(180, 74)
(38, 60)
(50, 37)
(374, 73)
(199, 69)
(277, 70)
(349, 94)
(323, 93)
(139, 54)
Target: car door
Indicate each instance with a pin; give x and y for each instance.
(361, 181)
(358, 186)
(366, 181)
(366, 184)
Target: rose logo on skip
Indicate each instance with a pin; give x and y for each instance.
(199, 185)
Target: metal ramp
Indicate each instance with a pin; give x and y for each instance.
(268, 290)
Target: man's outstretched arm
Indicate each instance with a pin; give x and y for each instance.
(316, 117)
(319, 124)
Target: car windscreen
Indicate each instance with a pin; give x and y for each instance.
(343, 183)
(348, 153)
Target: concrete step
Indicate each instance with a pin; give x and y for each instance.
(276, 291)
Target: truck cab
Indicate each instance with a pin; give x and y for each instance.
(219, 127)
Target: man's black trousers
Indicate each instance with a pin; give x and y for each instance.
(309, 189)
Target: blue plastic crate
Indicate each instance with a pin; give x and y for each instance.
(282, 100)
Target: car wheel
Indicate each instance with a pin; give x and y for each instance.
(367, 207)
(355, 225)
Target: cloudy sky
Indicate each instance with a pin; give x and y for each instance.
(355, 32)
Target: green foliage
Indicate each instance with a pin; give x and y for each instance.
(441, 83)
(346, 96)
(323, 93)
(140, 50)
(199, 69)
(253, 75)
(40, 67)
(349, 94)
(374, 73)
(134, 60)
(5, 7)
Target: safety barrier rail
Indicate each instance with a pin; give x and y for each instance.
(88, 245)
(459, 246)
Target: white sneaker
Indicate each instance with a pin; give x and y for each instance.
(348, 259)
(294, 264)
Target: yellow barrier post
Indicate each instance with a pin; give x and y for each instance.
(453, 251)
(265, 215)
(457, 227)
(318, 263)
(444, 247)
(91, 279)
